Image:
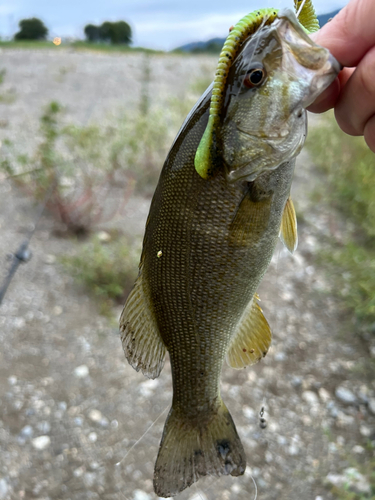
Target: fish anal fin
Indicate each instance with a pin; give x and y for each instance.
(188, 451)
(252, 338)
(288, 228)
(140, 336)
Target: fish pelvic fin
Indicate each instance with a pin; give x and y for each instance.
(251, 339)
(288, 228)
(141, 340)
(190, 449)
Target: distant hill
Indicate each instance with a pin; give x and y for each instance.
(214, 45)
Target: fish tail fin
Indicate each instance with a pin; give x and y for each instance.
(191, 449)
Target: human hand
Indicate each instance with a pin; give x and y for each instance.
(350, 37)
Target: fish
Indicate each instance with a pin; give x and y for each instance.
(221, 203)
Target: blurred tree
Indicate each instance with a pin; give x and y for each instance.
(31, 29)
(118, 32)
(92, 33)
(121, 32)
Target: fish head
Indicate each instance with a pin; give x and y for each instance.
(278, 72)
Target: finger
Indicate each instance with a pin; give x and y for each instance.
(369, 133)
(327, 99)
(356, 104)
(351, 33)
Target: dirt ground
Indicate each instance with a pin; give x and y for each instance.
(76, 422)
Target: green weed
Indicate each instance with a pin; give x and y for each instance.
(106, 270)
(348, 167)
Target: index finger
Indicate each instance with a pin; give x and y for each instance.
(351, 33)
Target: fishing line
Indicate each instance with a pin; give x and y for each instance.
(256, 488)
(143, 435)
(300, 8)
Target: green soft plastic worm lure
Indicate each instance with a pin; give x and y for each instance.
(206, 152)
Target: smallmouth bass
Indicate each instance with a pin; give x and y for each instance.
(220, 205)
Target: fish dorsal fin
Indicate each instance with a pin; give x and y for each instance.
(141, 340)
(252, 338)
(288, 228)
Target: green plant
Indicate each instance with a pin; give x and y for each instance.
(107, 270)
(348, 167)
(69, 172)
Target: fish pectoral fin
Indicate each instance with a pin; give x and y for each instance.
(252, 338)
(141, 340)
(288, 228)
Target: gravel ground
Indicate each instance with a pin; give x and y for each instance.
(74, 415)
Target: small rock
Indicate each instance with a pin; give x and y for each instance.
(345, 395)
(319, 498)
(44, 427)
(89, 479)
(4, 489)
(19, 323)
(371, 405)
(41, 442)
(78, 421)
(280, 356)
(336, 479)
(12, 380)
(235, 488)
(95, 416)
(62, 406)
(357, 481)
(344, 420)
(332, 409)
(78, 472)
(27, 431)
(293, 450)
(93, 437)
(248, 412)
(358, 449)
(365, 430)
(104, 237)
(296, 382)
(50, 259)
(81, 371)
(196, 496)
(324, 395)
(142, 495)
(310, 397)
(57, 310)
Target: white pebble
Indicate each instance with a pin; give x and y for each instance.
(345, 395)
(310, 397)
(365, 431)
(41, 442)
(81, 371)
(141, 495)
(95, 416)
(196, 496)
(103, 236)
(57, 310)
(4, 489)
(93, 437)
(50, 259)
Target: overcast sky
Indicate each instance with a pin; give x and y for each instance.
(159, 24)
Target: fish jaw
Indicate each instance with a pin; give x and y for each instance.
(312, 63)
(263, 127)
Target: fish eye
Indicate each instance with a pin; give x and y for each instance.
(255, 77)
